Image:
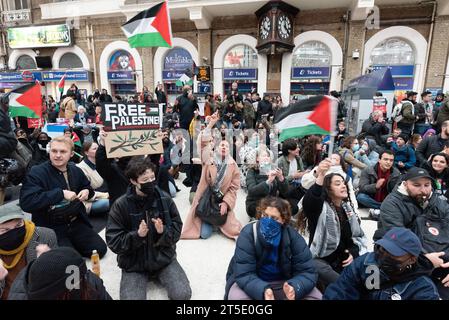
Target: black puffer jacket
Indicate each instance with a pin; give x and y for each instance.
(155, 251)
(399, 210)
(8, 141)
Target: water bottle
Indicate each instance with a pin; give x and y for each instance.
(95, 259)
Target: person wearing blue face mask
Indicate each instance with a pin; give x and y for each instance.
(271, 260)
(347, 150)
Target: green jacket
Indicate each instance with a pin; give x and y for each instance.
(284, 165)
(408, 113)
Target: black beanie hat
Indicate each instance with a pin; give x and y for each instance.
(47, 275)
(403, 137)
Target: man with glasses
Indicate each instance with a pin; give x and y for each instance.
(143, 228)
(20, 242)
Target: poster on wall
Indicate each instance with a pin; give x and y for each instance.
(122, 60)
(380, 103)
(39, 36)
(133, 129)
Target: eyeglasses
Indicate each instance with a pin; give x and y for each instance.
(18, 225)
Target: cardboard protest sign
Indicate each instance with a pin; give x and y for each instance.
(35, 123)
(133, 129)
(380, 103)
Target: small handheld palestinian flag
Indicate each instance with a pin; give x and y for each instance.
(26, 101)
(316, 115)
(150, 28)
(61, 84)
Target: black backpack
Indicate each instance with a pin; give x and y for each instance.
(433, 231)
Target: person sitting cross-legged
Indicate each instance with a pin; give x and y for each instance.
(377, 182)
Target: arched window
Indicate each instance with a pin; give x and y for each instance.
(241, 56)
(312, 54)
(25, 62)
(392, 52)
(70, 61)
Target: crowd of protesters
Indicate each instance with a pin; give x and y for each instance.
(304, 239)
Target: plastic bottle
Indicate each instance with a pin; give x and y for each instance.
(95, 259)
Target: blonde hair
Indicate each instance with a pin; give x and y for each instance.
(62, 139)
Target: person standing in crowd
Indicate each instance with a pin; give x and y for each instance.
(410, 206)
(249, 114)
(271, 260)
(161, 96)
(408, 113)
(105, 97)
(404, 272)
(424, 112)
(377, 182)
(312, 152)
(234, 94)
(221, 173)
(20, 240)
(437, 166)
(171, 119)
(336, 237)
(262, 180)
(185, 108)
(264, 108)
(68, 107)
(99, 204)
(143, 228)
(433, 144)
(442, 113)
(46, 278)
(53, 193)
(404, 155)
(439, 101)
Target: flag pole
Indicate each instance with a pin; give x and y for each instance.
(333, 125)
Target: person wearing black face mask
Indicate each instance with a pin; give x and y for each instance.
(40, 154)
(19, 240)
(143, 228)
(396, 270)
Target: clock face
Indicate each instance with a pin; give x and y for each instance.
(265, 27)
(284, 27)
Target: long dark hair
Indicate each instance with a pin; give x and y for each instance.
(310, 154)
(302, 224)
(432, 170)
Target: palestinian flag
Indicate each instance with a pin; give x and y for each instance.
(61, 84)
(183, 80)
(150, 28)
(76, 140)
(316, 115)
(26, 101)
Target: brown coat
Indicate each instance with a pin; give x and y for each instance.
(231, 183)
(68, 108)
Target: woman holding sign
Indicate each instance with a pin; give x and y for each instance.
(220, 180)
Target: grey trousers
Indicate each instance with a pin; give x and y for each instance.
(326, 275)
(133, 285)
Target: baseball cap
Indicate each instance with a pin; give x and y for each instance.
(7, 215)
(399, 241)
(416, 173)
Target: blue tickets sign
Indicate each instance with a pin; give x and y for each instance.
(310, 72)
(120, 75)
(240, 74)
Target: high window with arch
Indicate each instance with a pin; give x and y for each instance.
(70, 61)
(393, 51)
(25, 62)
(312, 54)
(240, 56)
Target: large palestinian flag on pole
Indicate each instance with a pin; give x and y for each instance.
(150, 28)
(316, 115)
(26, 101)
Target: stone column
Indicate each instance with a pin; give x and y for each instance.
(436, 67)
(356, 38)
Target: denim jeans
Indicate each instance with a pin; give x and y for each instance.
(99, 206)
(206, 230)
(367, 201)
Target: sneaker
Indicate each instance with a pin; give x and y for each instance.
(374, 214)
